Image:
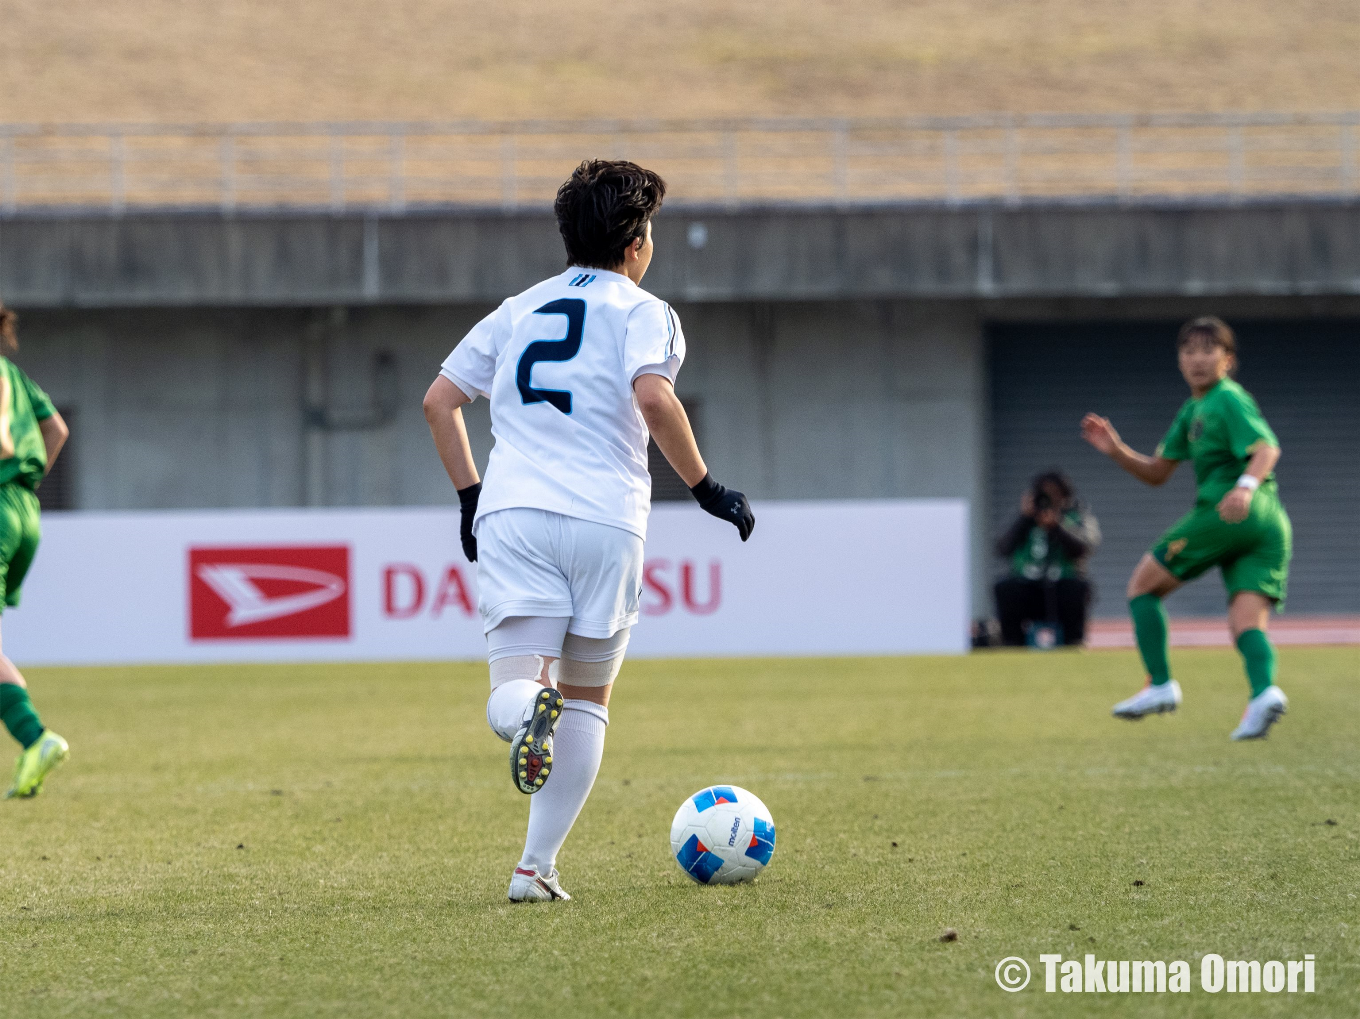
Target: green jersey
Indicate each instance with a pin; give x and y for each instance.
(1219, 431)
(1037, 555)
(26, 405)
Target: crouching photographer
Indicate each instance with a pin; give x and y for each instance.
(1045, 598)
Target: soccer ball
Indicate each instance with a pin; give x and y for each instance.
(722, 835)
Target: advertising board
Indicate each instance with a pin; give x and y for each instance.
(816, 578)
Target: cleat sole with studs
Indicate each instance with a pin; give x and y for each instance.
(531, 749)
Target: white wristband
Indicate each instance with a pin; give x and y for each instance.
(1249, 482)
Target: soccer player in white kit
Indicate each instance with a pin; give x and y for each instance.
(579, 369)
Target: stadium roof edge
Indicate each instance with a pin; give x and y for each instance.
(381, 210)
(1096, 250)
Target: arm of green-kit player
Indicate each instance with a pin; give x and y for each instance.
(6, 436)
(54, 435)
(1234, 507)
(1152, 470)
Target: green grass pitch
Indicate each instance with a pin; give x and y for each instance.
(336, 841)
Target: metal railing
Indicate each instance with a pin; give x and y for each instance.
(517, 165)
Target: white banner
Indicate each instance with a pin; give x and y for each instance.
(816, 578)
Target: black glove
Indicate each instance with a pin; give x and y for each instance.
(725, 504)
(467, 499)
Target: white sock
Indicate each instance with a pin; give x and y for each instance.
(578, 746)
(506, 707)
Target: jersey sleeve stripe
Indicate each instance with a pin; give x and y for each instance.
(671, 329)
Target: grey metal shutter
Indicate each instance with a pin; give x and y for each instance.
(1304, 374)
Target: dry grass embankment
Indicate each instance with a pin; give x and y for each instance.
(230, 60)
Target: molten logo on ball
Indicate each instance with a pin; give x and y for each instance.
(722, 835)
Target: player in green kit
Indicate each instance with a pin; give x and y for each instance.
(1238, 524)
(31, 435)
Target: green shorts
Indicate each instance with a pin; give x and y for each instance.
(1253, 555)
(20, 533)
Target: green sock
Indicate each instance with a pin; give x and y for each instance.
(18, 714)
(1259, 658)
(1149, 628)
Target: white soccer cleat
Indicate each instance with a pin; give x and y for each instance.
(531, 749)
(1151, 700)
(1263, 711)
(528, 885)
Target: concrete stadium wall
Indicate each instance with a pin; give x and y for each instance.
(230, 361)
(199, 408)
(924, 252)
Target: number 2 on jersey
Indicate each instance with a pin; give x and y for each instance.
(552, 350)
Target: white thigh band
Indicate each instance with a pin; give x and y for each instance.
(504, 670)
(527, 635)
(595, 649)
(591, 661)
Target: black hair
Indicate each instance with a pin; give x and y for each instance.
(9, 331)
(1213, 329)
(1056, 478)
(603, 207)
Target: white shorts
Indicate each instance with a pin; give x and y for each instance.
(533, 562)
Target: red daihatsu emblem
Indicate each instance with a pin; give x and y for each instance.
(273, 591)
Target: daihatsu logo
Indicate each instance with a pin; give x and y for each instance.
(275, 591)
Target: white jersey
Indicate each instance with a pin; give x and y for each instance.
(558, 363)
